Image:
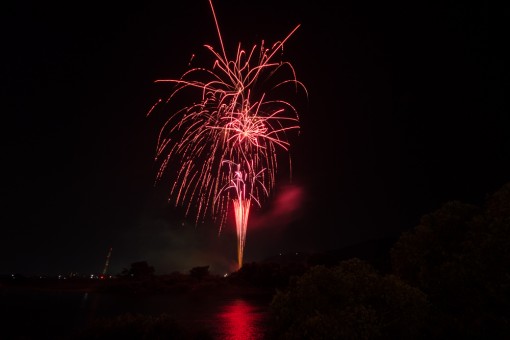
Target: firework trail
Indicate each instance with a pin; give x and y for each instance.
(225, 143)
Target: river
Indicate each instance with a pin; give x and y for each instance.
(54, 315)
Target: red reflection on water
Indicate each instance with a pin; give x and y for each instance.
(241, 321)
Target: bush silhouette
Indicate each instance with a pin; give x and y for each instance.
(348, 301)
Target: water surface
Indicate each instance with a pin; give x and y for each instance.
(56, 315)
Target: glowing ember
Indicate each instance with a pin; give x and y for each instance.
(225, 144)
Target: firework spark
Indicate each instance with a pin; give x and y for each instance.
(225, 143)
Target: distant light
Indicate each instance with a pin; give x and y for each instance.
(280, 254)
(226, 274)
(297, 253)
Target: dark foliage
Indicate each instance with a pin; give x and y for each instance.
(459, 256)
(199, 272)
(348, 301)
(267, 274)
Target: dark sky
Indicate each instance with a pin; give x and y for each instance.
(408, 108)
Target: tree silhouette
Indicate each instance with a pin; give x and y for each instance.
(459, 256)
(199, 272)
(348, 301)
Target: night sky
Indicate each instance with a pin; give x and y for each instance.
(408, 108)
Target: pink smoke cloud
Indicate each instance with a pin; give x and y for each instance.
(286, 208)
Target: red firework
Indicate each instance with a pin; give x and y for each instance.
(226, 142)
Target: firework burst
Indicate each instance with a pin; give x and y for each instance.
(225, 144)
